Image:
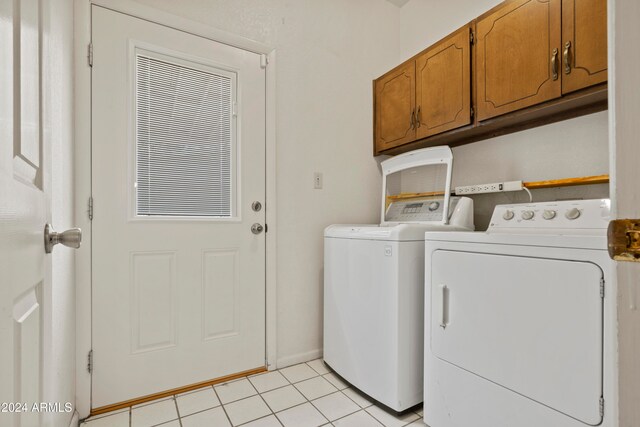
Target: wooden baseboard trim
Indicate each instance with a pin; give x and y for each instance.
(167, 393)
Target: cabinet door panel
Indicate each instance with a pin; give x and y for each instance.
(515, 62)
(394, 106)
(584, 27)
(443, 86)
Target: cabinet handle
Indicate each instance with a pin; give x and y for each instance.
(412, 120)
(567, 64)
(418, 117)
(554, 64)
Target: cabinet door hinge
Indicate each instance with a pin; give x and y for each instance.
(602, 287)
(90, 54)
(602, 407)
(90, 361)
(264, 61)
(473, 113)
(90, 208)
(471, 37)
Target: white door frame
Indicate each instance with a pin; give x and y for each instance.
(82, 162)
(624, 151)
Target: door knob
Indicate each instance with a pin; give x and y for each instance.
(257, 228)
(71, 238)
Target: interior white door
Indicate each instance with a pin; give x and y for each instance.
(178, 158)
(24, 209)
(535, 328)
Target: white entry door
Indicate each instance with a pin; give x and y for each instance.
(25, 207)
(178, 160)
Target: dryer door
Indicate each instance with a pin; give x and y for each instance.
(531, 325)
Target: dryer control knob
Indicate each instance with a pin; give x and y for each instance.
(549, 214)
(573, 213)
(508, 215)
(527, 215)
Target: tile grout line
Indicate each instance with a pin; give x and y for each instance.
(222, 406)
(360, 408)
(330, 371)
(263, 417)
(264, 401)
(175, 402)
(205, 409)
(318, 409)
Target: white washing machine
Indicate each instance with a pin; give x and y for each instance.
(373, 279)
(520, 320)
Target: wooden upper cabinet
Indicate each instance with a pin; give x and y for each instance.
(528, 63)
(395, 107)
(584, 43)
(443, 85)
(518, 56)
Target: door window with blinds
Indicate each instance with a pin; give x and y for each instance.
(185, 138)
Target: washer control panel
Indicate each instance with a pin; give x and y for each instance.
(418, 211)
(563, 214)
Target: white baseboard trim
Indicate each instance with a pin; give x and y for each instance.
(283, 362)
(75, 420)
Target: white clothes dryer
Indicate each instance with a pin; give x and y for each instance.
(374, 274)
(520, 324)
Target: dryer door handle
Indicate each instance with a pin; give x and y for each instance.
(444, 314)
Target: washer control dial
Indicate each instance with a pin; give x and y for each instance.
(549, 214)
(508, 215)
(433, 206)
(573, 213)
(527, 215)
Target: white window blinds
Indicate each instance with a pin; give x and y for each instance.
(184, 139)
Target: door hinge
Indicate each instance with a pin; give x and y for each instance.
(264, 61)
(90, 361)
(90, 208)
(623, 238)
(473, 113)
(602, 407)
(471, 37)
(602, 287)
(266, 228)
(90, 54)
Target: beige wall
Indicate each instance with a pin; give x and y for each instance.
(328, 52)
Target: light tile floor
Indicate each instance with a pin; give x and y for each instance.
(304, 395)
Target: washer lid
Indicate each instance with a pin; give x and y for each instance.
(424, 174)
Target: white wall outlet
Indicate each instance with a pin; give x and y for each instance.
(317, 180)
